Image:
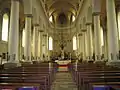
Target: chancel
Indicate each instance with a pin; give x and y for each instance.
(59, 44)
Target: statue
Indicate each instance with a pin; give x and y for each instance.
(62, 54)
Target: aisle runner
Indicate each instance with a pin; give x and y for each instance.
(63, 80)
(63, 68)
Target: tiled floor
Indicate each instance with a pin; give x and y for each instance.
(63, 81)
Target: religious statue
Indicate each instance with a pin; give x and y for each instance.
(62, 54)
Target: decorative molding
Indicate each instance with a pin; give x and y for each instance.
(17, 0)
(83, 30)
(41, 31)
(95, 13)
(89, 23)
(29, 15)
(80, 34)
(36, 25)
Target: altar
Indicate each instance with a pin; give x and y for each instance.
(63, 64)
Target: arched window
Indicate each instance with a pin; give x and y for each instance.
(74, 43)
(102, 38)
(5, 27)
(51, 19)
(50, 43)
(119, 24)
(73, 18)
(23, 38)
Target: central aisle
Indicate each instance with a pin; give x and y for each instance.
(63, 81)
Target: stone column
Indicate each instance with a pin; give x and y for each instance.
(20, 44)
(41, 45)
(77, 44)
(27, 48)
(112, 32)
(97, 37)
(13, 46)
(28, 22)
(45, 46)
(90, 43)
(80, 45)
(105, 45)
(84, 45)
(47, 49)
(35, 42)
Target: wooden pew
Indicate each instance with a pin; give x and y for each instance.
(29, 74)
(112, 85)
(92, 72)
(15, 86)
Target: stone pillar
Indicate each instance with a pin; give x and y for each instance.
(79, 42)
(20, 44)
(80, 45)
(45, 46)
(97, 37)
(28, 22)
(47, 49)
(112, 32)
(27, 48)
(77, 37)
(35, 42)
(105, 45)
(41, 44)
(13, 46)
(84, 45)
(90, 43)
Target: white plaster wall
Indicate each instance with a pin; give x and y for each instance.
(3, 47)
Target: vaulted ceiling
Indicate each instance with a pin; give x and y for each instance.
(59, 9)
(62, 9)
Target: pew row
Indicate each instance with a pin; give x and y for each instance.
(40, 74)
(86, 74)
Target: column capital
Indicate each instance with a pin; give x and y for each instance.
(16, 0)
(45, 35)
(80, 34)
(83, 30)
(29, 15)
(36, 25)
(41, 31)
(95, 13)
(88, 23)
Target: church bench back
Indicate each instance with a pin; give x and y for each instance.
(94, 73)
(28, 74)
